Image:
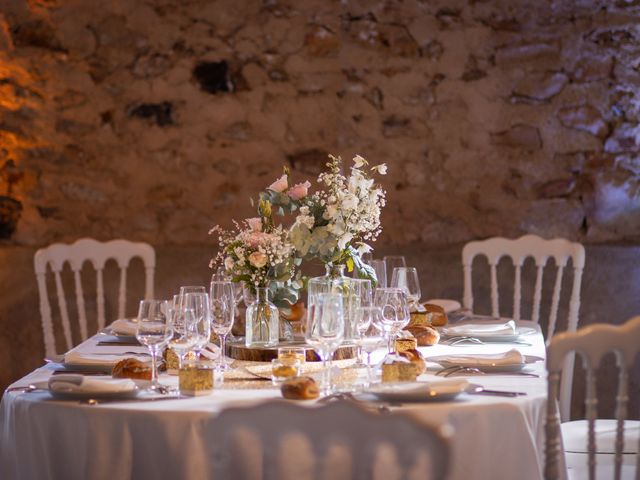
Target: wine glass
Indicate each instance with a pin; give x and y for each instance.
(394, 312)
(223, 307)
(406, 279)
(183, 324)
(325, 331)
(380, 267)
(199, 303)
(154, 330)
(393, 261)
(370, 339)
(360, 294)
(222, 276)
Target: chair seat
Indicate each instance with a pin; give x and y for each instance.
(628, 472)
(574, 436)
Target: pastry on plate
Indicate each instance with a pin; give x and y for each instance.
(131, 368)
(300, 388)
(415, 357)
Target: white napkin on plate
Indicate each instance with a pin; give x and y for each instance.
(124, 326)
(72, 383)
(75, 357)
(497, 329)
(512, 357)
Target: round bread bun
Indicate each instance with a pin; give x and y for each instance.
(300, 388)
(415, 357)
(426, 336)
(131, 368)
(438, 315)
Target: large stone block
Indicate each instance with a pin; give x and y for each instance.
(585, 118)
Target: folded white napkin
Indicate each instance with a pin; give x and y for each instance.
(72, 383)
(75, 357)
(124, 326)
(494, 329)
(512, 357)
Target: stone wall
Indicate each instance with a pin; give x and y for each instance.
(153, 120)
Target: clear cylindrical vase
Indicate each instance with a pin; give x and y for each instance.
(333, 281)
(262, 320)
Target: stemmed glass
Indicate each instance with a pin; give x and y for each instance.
(394, 312)
(325, 331)
(380, 267)
(360, 295)
(406, 279)
(369, 328)
(199, 303)
(394, 261)
(221, 276)
(223, 307)
(184, 333)
(154, 330)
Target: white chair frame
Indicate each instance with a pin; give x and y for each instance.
(339, 422)
(592, 342)
(76, 254)
(541, 250)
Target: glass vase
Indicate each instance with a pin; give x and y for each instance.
(262, 321)
(333, 281)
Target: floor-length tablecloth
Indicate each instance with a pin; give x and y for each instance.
(495, 437)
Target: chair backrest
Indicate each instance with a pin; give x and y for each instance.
(76, 254)
(519, 250)
(340, 424)
(541, 250)
(592, 343)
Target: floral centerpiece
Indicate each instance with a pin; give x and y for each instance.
(336, 224)
(260, 255)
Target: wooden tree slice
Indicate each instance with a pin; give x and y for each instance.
(239, 351)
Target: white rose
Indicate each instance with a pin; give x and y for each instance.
(258, 259)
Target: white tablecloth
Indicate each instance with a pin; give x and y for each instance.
(40, 438)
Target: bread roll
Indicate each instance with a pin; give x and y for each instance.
(131, 368)
(437, 314)
(300, 388)
(415, 357)
(426, 336)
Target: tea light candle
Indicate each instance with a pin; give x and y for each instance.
(196, 378)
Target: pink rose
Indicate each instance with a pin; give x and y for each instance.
(255, 224)
(258, 259)
(299, 191)
(279, 185)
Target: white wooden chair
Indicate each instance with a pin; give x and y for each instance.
(541, 250)
(605, 449)
(76, 254)
(278, 440)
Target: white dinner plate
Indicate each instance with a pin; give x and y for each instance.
(62, 395)
(489, 337)
(438, 391)
(448, 361)
(120, 336)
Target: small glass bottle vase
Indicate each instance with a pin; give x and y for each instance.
(262, 321)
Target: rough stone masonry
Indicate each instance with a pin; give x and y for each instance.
(155, 119)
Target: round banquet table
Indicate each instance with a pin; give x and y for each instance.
(42, 438)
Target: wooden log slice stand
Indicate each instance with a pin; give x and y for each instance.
(239, 351)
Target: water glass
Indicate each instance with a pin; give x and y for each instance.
(154, 330)
(325, 331)
(199, 303)
(406, 279)
(380, 267)
(393, 261)
(223, 307)
(394, 312)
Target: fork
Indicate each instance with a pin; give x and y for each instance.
(447, 372)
